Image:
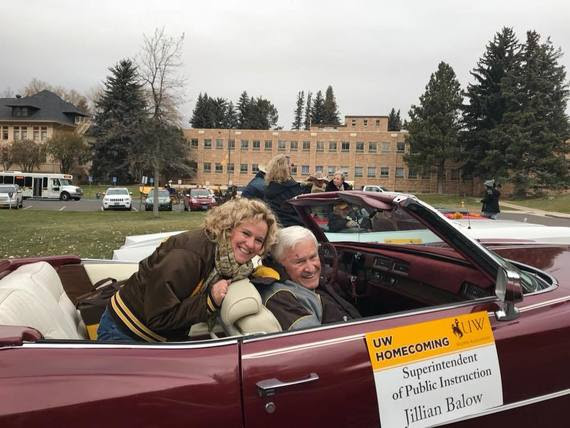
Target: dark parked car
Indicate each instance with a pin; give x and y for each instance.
(164, 200)
(199, 199)
(452, 332)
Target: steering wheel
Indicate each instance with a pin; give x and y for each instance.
(329, 262)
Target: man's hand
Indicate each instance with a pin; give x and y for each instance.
(351, 223)
(219, 291)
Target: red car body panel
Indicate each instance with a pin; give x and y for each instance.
(65, 385)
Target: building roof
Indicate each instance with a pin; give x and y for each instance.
(45, 106)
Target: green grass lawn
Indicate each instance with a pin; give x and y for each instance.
(451, 201)
(558, 203)
(90, 190)
(86, 234)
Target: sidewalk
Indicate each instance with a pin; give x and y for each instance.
(534, 211)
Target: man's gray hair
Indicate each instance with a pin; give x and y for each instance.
(290, 236)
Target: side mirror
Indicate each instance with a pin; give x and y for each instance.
(509, 291)
(131, 193)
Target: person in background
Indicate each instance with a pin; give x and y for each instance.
(187, 277)
(318, 182)
(293, 289)
(280, 187)
(337, 183)
(490, 200)
(339, 218)
(256, 186)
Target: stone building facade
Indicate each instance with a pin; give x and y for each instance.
(362, 148)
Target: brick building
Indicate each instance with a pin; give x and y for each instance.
(363, 148)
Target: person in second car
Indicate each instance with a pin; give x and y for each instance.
(337, 183)
(280, 188)
(339, 218)
(292, 287)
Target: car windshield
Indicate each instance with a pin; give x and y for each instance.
(161, 193)
(342, 221)
(117, 192)
(65, 182)
(7, 189)
(200, 192)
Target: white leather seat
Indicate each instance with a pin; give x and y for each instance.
(38, 300)
(242, 311)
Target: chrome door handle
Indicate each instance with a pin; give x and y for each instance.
(268, 387)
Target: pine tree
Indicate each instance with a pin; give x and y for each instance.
(318, 110)
(330, 108)
(243, 113)
(535, 126)
(394, 121)
(230, 116)
(262, 114)
(489, 97)
(120, 117)
(308, 111)
(199, 114)
(298, 121)
(434, 124)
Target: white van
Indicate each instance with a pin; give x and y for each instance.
(43, 185)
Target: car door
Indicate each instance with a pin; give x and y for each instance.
(324, 377)
(85, 384)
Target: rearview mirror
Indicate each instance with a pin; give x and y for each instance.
(509, 291)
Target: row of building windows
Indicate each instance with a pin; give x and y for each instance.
(359, 171)
(365, 122)
(293, 146)
(39, 133)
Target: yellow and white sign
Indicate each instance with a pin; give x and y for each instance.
(436, 371)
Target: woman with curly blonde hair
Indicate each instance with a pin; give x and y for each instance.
(187, 277)
(280, 187)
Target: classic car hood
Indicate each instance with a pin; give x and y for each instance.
(553, 259)
(510, 229)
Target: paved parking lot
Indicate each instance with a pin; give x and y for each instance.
(81, 205)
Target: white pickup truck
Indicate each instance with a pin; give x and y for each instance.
(374, 188)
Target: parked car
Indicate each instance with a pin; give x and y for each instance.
(11, 196)
(452, 332)
(199, 199)
(164, 201)
(374, 188)
(117, 198)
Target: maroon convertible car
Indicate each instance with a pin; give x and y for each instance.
(453, 331)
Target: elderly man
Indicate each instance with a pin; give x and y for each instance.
(296, 295)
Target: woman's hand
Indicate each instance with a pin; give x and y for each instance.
(219, 291)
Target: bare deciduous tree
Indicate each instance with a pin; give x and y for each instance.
(69, 95)
(159, 65)
(6, 156)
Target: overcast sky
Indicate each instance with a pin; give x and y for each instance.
(376, 54)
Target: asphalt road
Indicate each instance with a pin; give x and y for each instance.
(81, 205)
(536, 219)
